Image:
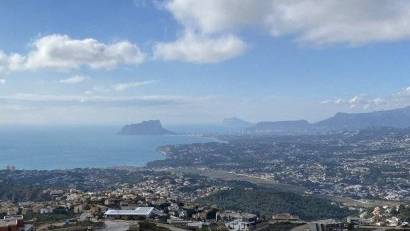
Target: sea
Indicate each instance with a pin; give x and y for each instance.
(68, 147)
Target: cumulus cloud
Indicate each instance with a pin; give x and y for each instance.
(314, 21)
(200, 49)
(10, 62)
(63, 52)
(73, 80)
(126, 86)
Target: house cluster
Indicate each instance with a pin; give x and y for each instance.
(164, 199)
(389, 216)
(171, 199)
(14, 223)
(188, 217)
(157, 199)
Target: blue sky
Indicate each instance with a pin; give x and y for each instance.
(186, 61)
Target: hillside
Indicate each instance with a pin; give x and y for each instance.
(397, 118)
(268, 201)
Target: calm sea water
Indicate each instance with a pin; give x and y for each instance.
(77, 147)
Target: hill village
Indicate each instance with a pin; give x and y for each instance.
(159, 200)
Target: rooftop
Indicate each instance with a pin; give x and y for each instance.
(139, 211)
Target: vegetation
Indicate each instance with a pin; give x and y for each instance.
(149, 226)
(49, 218)
(267, 201)
(28, 185)
(17, 192)
(404, 213)
(279, 227)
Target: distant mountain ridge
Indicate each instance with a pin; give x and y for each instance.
(280, 127)
(396, 118)
(235, 122)
(150, 127)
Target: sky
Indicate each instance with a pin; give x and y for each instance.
(197, 62)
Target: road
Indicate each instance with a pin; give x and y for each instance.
(115, 226)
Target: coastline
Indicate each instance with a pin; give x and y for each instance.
(95, 147)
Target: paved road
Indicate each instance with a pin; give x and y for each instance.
(115, 226)
(170, 227)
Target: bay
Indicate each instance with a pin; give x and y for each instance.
(46, 148)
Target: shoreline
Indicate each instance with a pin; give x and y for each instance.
(138, 151)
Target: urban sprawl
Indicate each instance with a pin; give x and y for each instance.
(344, 181)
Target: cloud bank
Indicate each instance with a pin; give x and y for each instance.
(398, 99)
(313, 21)
(212, 28)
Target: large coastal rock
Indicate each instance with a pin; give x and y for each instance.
(235, 122)
(150, 127)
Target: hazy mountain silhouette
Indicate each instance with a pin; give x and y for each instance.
(150, 127)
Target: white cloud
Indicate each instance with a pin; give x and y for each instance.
(4, 61)
(350, 21)
(73, 80)
(314, 21)
(126, 86)
(10, 62)
(2, 81)
(98, 100)
(117, 87)
(339, 101)
(378, 101)
(99, 90)
(404, 91)
(354, 100)
(398, 99)
(62, 52)
(213, 16)
(358, 101)
(196, 48)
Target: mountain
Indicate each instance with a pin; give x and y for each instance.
(280, 127)
(235, 122)
(396, 118)
(150, 127)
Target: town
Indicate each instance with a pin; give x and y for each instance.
(155, 199)
(370, 164)
(340, 181)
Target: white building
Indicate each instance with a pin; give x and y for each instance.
(139, 212)
(238, 225)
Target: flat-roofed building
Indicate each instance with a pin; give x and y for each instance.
(137, 213)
